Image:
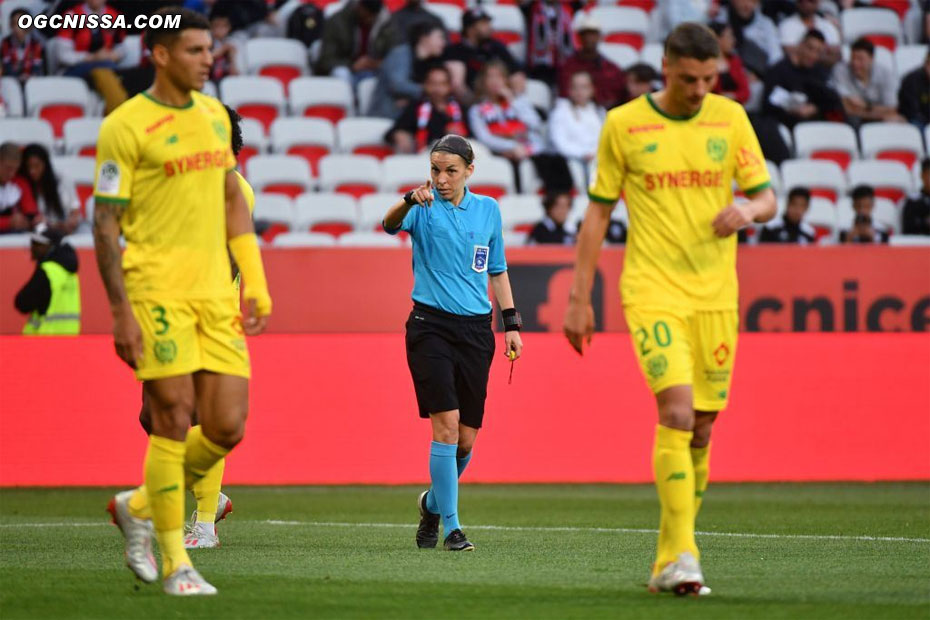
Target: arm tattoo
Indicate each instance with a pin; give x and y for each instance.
(106, 248)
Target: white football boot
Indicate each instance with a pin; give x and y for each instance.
(186, 581)
(682, 576)
(138, 534)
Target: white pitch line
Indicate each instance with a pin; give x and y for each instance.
(519, 528)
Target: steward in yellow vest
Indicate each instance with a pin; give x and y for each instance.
(52, 296)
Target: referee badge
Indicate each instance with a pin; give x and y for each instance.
(479, 261)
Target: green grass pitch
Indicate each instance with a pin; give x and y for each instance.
(568, 551)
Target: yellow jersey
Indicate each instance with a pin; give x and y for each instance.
(168, 166)
(247, 191)
(676, 174)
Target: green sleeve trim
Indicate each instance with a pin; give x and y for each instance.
(601, 199)
(757, 188)
(113, 199)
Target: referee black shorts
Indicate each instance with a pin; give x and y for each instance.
(449, 356)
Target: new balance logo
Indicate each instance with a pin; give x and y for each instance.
(678, 475)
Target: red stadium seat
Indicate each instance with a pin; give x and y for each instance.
(645, 5)
(901, 7)
(842, 158)
(273, 231)
(247, 153)
(332, 228)
(263, 113)
(311, 152)
(908, 158)
(494, 191)
(374, 150)
(883, 40)
(282, 73)
(332, 113)
(285, 189)
(57, 114)
(89, 151)
(358, 189)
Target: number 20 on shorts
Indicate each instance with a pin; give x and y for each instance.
(661, 334)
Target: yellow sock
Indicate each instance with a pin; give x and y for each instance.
(674, 477)
(164, 481)
(700, 458)
(139, 504)
(200, 456)
(207, 492)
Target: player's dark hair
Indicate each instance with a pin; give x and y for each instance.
(800, 192)
(813, 33)
(235, 124)
(863, 191)
(47, 185)
(166, 36)
(421, 30)
(925, 164)
(692, 40)
(552, 197)
(455, 144)
(863, 45)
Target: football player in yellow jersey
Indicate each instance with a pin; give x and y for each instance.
(212, 505)
(166, 180)
(674, 156)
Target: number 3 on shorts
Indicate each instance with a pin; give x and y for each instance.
(660, 333)
(158, 313)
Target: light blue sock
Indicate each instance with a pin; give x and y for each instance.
(431, 504)
(442, 471)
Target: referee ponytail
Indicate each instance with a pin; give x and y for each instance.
(457, 145)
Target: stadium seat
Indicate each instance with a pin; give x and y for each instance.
(26, 130)
(371, 210)
(520, 213)
(621, 54)
(514, 239)
(539, 94)
(326, 212)
(890, 179)
(56, 99)
(370, 239)
(493, 177)
(303, 240)
(652, 54)
(22, 240)
(909, 57)
(253, 140)
(777, 185)
(254, 96)
(132, 46)
(274, 211)
(355, 175)
(278, 58)
(886, 215)
(893, 141)
(823, 140)
(12, 94)
(622, 24)
(81, 136)
(507, 23)
(901, 7)
(309, 138)
(880, 26)
(451, 17)
(279, 174)
(365, 90)
(209, 88)
(404, 172)
(822, 217)
(80, 240)
(364, 136)
(824, 179)
(321, 97)
(80, 171)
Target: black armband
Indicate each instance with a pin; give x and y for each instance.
(512, 320)
(408, 198)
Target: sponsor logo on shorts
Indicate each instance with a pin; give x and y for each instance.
(165, 351)
(656, 366)
(479, 260)
(721, 354)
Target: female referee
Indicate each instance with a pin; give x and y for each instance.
(456, 244)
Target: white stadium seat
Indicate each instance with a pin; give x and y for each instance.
(451, 16)
(895, 141)
(514, 239)
(521, 212)
(282, 174)
(909, 57)
(823, 178)
(621, 24)
(403, 172)
(363, 136)
(78, 169)
(253, 140)
(209, 88)
(355, 175)
(321, 97)
(539, 94)
(303, 240)
(365, 90)
(22, 240)
(26, 130)
(254, 96)
(652, 54)
(132, 48)
(325, 212)
(620, 54)
(274, 208)
(56, 99)
(81, 135)
(825, 140)
(370, 239)
(775, 173)
(822, 215)
(278, 58)
(371, 210)
(881, 26)
(886, 216)
(80, 240)
(309, 138)
(890, 179)
(507, 23)
(494, 178)
(12, 94)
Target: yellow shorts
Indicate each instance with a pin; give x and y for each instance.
(686, 347)
(180, 337)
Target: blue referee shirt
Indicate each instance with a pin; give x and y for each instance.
(454, 250)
